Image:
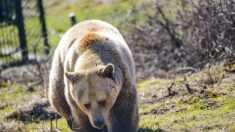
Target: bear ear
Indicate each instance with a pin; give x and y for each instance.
(72, 76)
(107, 71)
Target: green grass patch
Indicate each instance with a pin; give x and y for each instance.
(195, 117)
(156, 84)
(58, 21)
(214, 111)
(12, 98)
(46, 126)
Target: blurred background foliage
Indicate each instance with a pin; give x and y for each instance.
(112, 11)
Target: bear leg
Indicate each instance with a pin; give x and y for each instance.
(56, 89)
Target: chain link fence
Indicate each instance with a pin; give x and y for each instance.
(22, 31)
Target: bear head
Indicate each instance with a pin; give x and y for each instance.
(95, 92)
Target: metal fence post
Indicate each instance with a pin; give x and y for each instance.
(43, 26)
(21, 30)
(0, 10)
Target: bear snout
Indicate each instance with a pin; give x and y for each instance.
(99, 122)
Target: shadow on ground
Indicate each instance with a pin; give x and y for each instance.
(150, 130)
(36, 111)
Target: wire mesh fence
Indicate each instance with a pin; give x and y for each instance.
(22, 31)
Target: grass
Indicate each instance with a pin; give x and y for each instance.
(210, 108)
(61, 123)
(58, 21)
(195, 118)
(12, 98)
(213, 110)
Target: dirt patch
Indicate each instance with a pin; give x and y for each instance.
(165, 109)
(36, 111)
(4, 105)
(10, 126)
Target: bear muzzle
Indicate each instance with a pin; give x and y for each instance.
(99, 123)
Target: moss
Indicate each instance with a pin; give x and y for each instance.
(200, 106)
(149, 121)
(5, 111)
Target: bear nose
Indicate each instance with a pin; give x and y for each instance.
(99, 122)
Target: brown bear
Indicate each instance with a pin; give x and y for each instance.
(92, 79)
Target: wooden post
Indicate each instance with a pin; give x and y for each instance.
(43, 27)
(21, 30)
(72, 17)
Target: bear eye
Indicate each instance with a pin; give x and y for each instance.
(102, 103)
(88, 105)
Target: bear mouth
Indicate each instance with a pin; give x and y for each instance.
(99, 127)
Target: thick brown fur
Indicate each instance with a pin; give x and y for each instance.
(91, 63)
